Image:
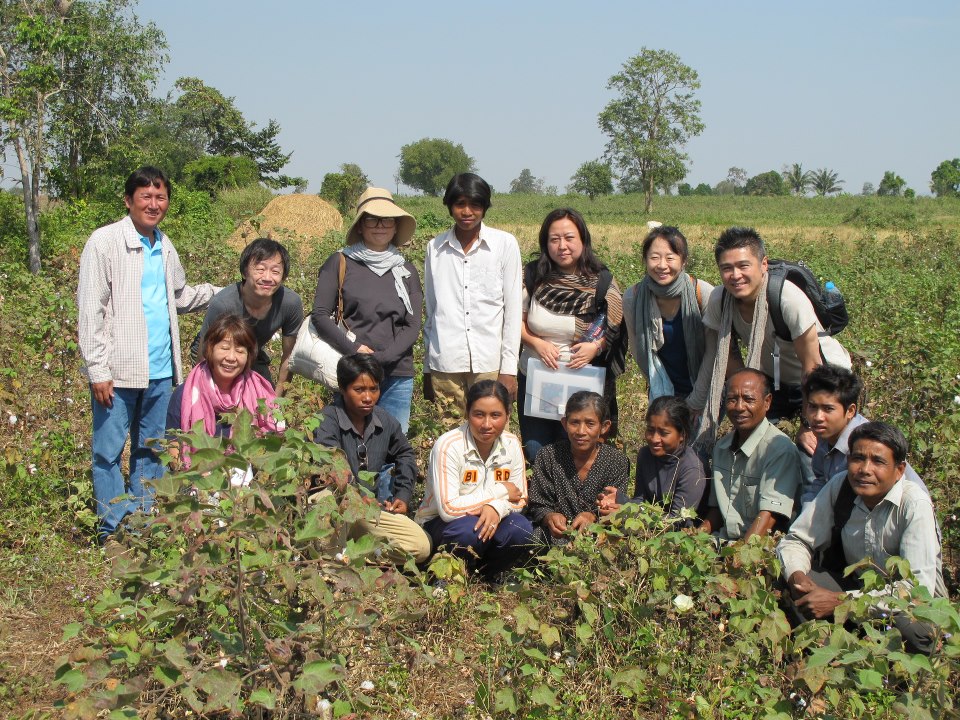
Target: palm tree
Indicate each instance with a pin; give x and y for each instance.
(797, 179)
(825, 181)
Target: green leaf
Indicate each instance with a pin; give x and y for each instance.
(263, 698)
(870, 679)
(167, 676)
(543, 695)
(317, 675)
(71, 631)
(505, 701)
(550, 635)
(222, 688)
(74, 679)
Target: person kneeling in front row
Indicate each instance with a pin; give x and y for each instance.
(477, 487)
(870, 511)
(372, 441)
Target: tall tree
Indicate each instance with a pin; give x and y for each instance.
(228, 133)
(344, 188)
(769, 183)
(797, 179)
(824, 182)
(428, 164)
(593, 178)
(891, 185)
(527, 184)
(945, 180)
(65, 69)
(737, 177)
(651, 120)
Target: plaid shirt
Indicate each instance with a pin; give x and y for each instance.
(112, 328)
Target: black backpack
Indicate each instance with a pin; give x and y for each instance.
(832, 557)
(830, 307)
(614, 356)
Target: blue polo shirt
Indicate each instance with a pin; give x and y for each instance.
(153, 292)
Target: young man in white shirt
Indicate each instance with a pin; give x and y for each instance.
(472, 285)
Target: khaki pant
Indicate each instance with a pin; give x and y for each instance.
(398, 530)
(454, 386)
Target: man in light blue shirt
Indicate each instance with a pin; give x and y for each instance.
(131, 287)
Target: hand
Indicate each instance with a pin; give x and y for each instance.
(428, 394)
(555, 523)
(582, 354)
(582, 521)
(819, 602)
(396, 506)
(488, 523)
(800, 584)
(806, 440)
(607, 501)
(103, 392)
(510, 383)
(366, 349)
(513, 492)
(548, 352)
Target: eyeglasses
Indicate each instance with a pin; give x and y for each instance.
(371, 222)
(362, 455)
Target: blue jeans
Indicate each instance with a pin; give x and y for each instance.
(510, 544)
(534, 431)
(141, 414)
(396, 394)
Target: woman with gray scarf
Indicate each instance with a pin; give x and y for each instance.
(382, 297)
(664, 316)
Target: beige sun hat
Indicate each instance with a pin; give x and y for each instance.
(379, 203)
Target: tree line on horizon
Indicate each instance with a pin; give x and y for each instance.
(77, 112)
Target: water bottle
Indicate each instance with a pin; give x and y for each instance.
(831, 296)
(596, 330)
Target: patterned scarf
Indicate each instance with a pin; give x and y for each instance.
(564, 294)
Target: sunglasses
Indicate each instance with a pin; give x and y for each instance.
(362, 455)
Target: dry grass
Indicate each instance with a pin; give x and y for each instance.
(296, 220)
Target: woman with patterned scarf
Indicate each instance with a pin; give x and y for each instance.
(558, 308)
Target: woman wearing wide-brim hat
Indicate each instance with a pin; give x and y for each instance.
(382, 297)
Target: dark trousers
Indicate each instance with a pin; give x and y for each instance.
(510, 544)
(917, 636)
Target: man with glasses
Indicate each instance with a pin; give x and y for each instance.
(132, 286)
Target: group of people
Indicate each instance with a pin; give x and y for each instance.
(706, 352)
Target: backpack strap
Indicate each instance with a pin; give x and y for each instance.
(697, 290)
(604, 279)
(832, 557)
(340, 275)
(774, 305)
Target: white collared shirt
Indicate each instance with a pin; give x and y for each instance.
(460, 481)
(473, 303)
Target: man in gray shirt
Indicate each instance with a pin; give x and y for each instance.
(871, 511)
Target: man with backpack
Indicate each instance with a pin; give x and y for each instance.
(873, 512)
(745, 313)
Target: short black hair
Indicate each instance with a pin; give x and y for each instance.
(146, 176)
(676, 411)
(764, 379)
(885, 434)
(740, 237)
(834, 380)
(261, 249)
(587, 399)
(350, 367)
(672, 236)
(470, 186)
(488, 388)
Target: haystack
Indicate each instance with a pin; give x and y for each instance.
(296, 219)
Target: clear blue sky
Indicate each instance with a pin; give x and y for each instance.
(858, 87)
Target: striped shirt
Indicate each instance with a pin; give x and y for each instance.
(460, 482)
(112, 326)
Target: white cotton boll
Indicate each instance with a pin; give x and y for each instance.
(683, 603)
(366, 685)
(869, 363)
(12, 419)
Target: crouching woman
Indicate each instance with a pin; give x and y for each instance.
(477, 487)
(871, 511)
